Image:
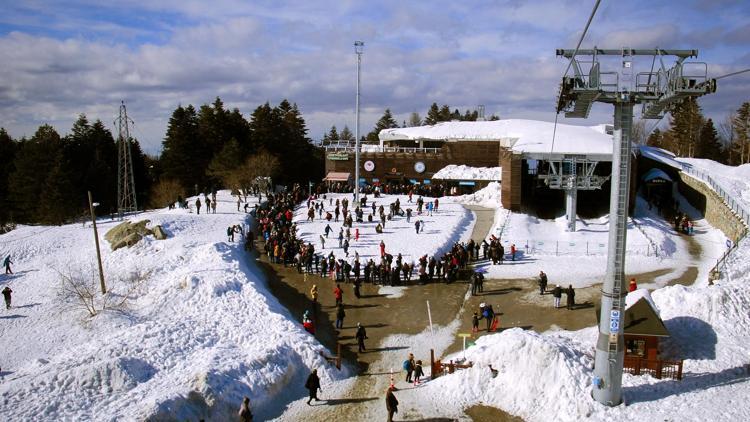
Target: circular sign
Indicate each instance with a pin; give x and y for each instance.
(419, 167)
(393, 170)
(369, 165)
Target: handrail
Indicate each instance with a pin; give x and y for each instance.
(377, 149)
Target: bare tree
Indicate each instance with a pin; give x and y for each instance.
(79, 289)
(165, 192)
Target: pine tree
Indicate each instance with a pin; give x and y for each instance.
(709, 145)
(180, 149)
(227, 160)
(333, 135)
(7, 153)
(456, 115)
(445, 113)
(741, 125)
(56, 204)
(655, 139)
(385, 122)
(433, 115)
(34, 161)
(686, 123)
(346, 134)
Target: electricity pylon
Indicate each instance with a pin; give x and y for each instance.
(126, 201)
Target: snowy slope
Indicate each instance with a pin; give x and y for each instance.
(200, 333)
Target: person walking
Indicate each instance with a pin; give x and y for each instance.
(230, 234)
(7, 263)
(338, 294)
(340, 314)
(542, 282)
(409, 367)
(245, 414)
(557, 294)
(356, 235)
(513, 252)
(313, 385)
(416, 226)
(198, 205)
(213, 206)
(346, 247)
(314, 296)
(571, 297)
(341, 237)
(382, 249)
(6, 293)
(475, 323)
(391, 403)
(361, 337)
(418, 372)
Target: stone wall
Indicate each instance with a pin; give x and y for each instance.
(708, 202)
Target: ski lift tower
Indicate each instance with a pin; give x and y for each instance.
(658, 92)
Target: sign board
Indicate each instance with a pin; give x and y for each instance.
(614, 321)
(338, 156)
(613, 338)
(369, 165)
(419, 167)
(465, 183)
(464, 334)
(426, 181)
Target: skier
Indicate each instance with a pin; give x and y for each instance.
(6, 293)
(391, 403)
(542, 282)
(7, 263)
(198, 205)
(557, 294)
(245, 414)
(313, 385)
(418, 372)
(361, 336)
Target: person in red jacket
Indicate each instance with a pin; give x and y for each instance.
(382, 249)
(338, 293)
(633, 286)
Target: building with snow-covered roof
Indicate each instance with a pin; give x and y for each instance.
(534, 156)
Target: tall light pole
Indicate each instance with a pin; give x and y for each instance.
(358, 47)
(92, 204)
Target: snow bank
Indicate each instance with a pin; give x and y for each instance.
(201, 332)
(462, 172)
(488, 197)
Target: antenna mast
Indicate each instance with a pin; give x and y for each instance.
(126, 201)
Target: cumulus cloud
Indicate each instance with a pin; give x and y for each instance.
(66, 58)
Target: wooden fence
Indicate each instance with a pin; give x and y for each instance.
(657, 368)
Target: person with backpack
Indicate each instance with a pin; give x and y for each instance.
(409, 367)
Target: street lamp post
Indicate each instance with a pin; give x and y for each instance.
(358, 47)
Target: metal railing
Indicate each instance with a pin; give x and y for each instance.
(741, 210)
(373, 148)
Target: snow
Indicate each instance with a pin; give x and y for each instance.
(633, 297)
(579, 258)
(462, 172)
(202, 330)
(526, 136)
(442, 229)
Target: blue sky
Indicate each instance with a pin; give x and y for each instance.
(62, 58)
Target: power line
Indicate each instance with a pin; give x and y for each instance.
(570, 63)
(733, 73)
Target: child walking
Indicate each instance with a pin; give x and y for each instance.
(418, 372)
(475, 323)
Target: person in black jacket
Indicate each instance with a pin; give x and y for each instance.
(542, 282)
(361, 336)
(391, 403)
(313, 385)
(557, 294)
(571, 297)
(245, 414)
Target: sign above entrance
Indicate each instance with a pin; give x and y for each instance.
(338, 156)
(369, 165)
(419, 167)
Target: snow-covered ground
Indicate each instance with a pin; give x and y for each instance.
(200, 332)
(442, 229)
(579, 258)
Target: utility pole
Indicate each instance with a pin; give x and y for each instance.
(358, 49)
(96, 240)
(659, 92)
(126, 201)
